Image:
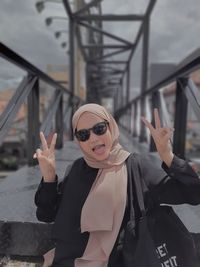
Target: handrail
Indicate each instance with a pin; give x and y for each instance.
(29, 88)
(186, 92)
(179, 72)
(22, 63)
(14, 105)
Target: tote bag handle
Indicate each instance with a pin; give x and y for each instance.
(133, 170)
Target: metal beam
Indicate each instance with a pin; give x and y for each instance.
(104, 33)
(14, 105)
(68, 8)
(33, 122)
(137, 39)
(150, 7)
(47, 122)
(140, 31)
(59, 124)
(108, 62)
(78, 35)
(105, 82)
(132, 17)
(87, 7)
(121, 93)
(105, 73)
(114, 83)
(103, 68)
(104, 46)
(107, 89)
(112, 54)
(155, 103)
(71, 56)
(135, 119)
(182, 71)
(145, 55)
(71, 64)
(180, 121)
(193, 95)
(144, 78)
(23, 64)
(104, 85)
(128, 85)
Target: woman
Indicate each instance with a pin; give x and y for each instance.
(90, 206)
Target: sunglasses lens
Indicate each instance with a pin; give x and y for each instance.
(100, 128)
(83, 135)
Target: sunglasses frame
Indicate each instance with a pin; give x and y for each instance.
(91, 129)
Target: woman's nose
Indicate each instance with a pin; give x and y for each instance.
(93, 136)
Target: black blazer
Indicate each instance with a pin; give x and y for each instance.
(62, 202)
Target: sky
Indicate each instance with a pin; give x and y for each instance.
(174, 33)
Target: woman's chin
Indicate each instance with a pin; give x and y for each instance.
(101, 157)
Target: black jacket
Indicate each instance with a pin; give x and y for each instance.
(62, 202)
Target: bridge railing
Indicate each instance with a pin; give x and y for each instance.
(29, 90)
(186, 92)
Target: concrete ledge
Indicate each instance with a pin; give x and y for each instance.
(25, 239)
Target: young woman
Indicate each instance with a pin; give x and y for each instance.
(90, 207)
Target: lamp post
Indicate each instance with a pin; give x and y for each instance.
(40, 5)
(58, 33)
(49, 20)
(64, 44)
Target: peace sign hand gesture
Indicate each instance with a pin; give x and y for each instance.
(161, 137)
(46, 158)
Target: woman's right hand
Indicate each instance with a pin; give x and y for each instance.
(46, 158)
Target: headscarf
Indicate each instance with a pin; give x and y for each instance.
(103, 210)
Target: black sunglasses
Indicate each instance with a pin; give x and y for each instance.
(98, 129)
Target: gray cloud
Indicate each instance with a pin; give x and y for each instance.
(174, 32)
(23, 30)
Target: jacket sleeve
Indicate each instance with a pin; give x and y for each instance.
(48, 197)
(177, 184)
(47, 201)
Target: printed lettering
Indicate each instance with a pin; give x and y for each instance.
(164, 257)
(173, 261)
(162, 250)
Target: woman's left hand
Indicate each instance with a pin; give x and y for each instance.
(161, 137)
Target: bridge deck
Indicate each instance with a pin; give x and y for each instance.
(22, 234)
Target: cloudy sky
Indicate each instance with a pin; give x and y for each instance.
(175, 27)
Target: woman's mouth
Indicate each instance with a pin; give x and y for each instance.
(99, 149)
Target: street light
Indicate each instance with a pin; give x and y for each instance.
(64, 44)
(49, 20)
(40, 4)
(58, 33)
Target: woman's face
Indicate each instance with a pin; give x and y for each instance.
(97, 146)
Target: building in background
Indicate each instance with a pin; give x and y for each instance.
(13, 149)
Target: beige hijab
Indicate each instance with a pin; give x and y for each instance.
(104, 208)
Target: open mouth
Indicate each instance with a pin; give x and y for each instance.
(99, 149)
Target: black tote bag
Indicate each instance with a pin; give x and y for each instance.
(160, 239)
